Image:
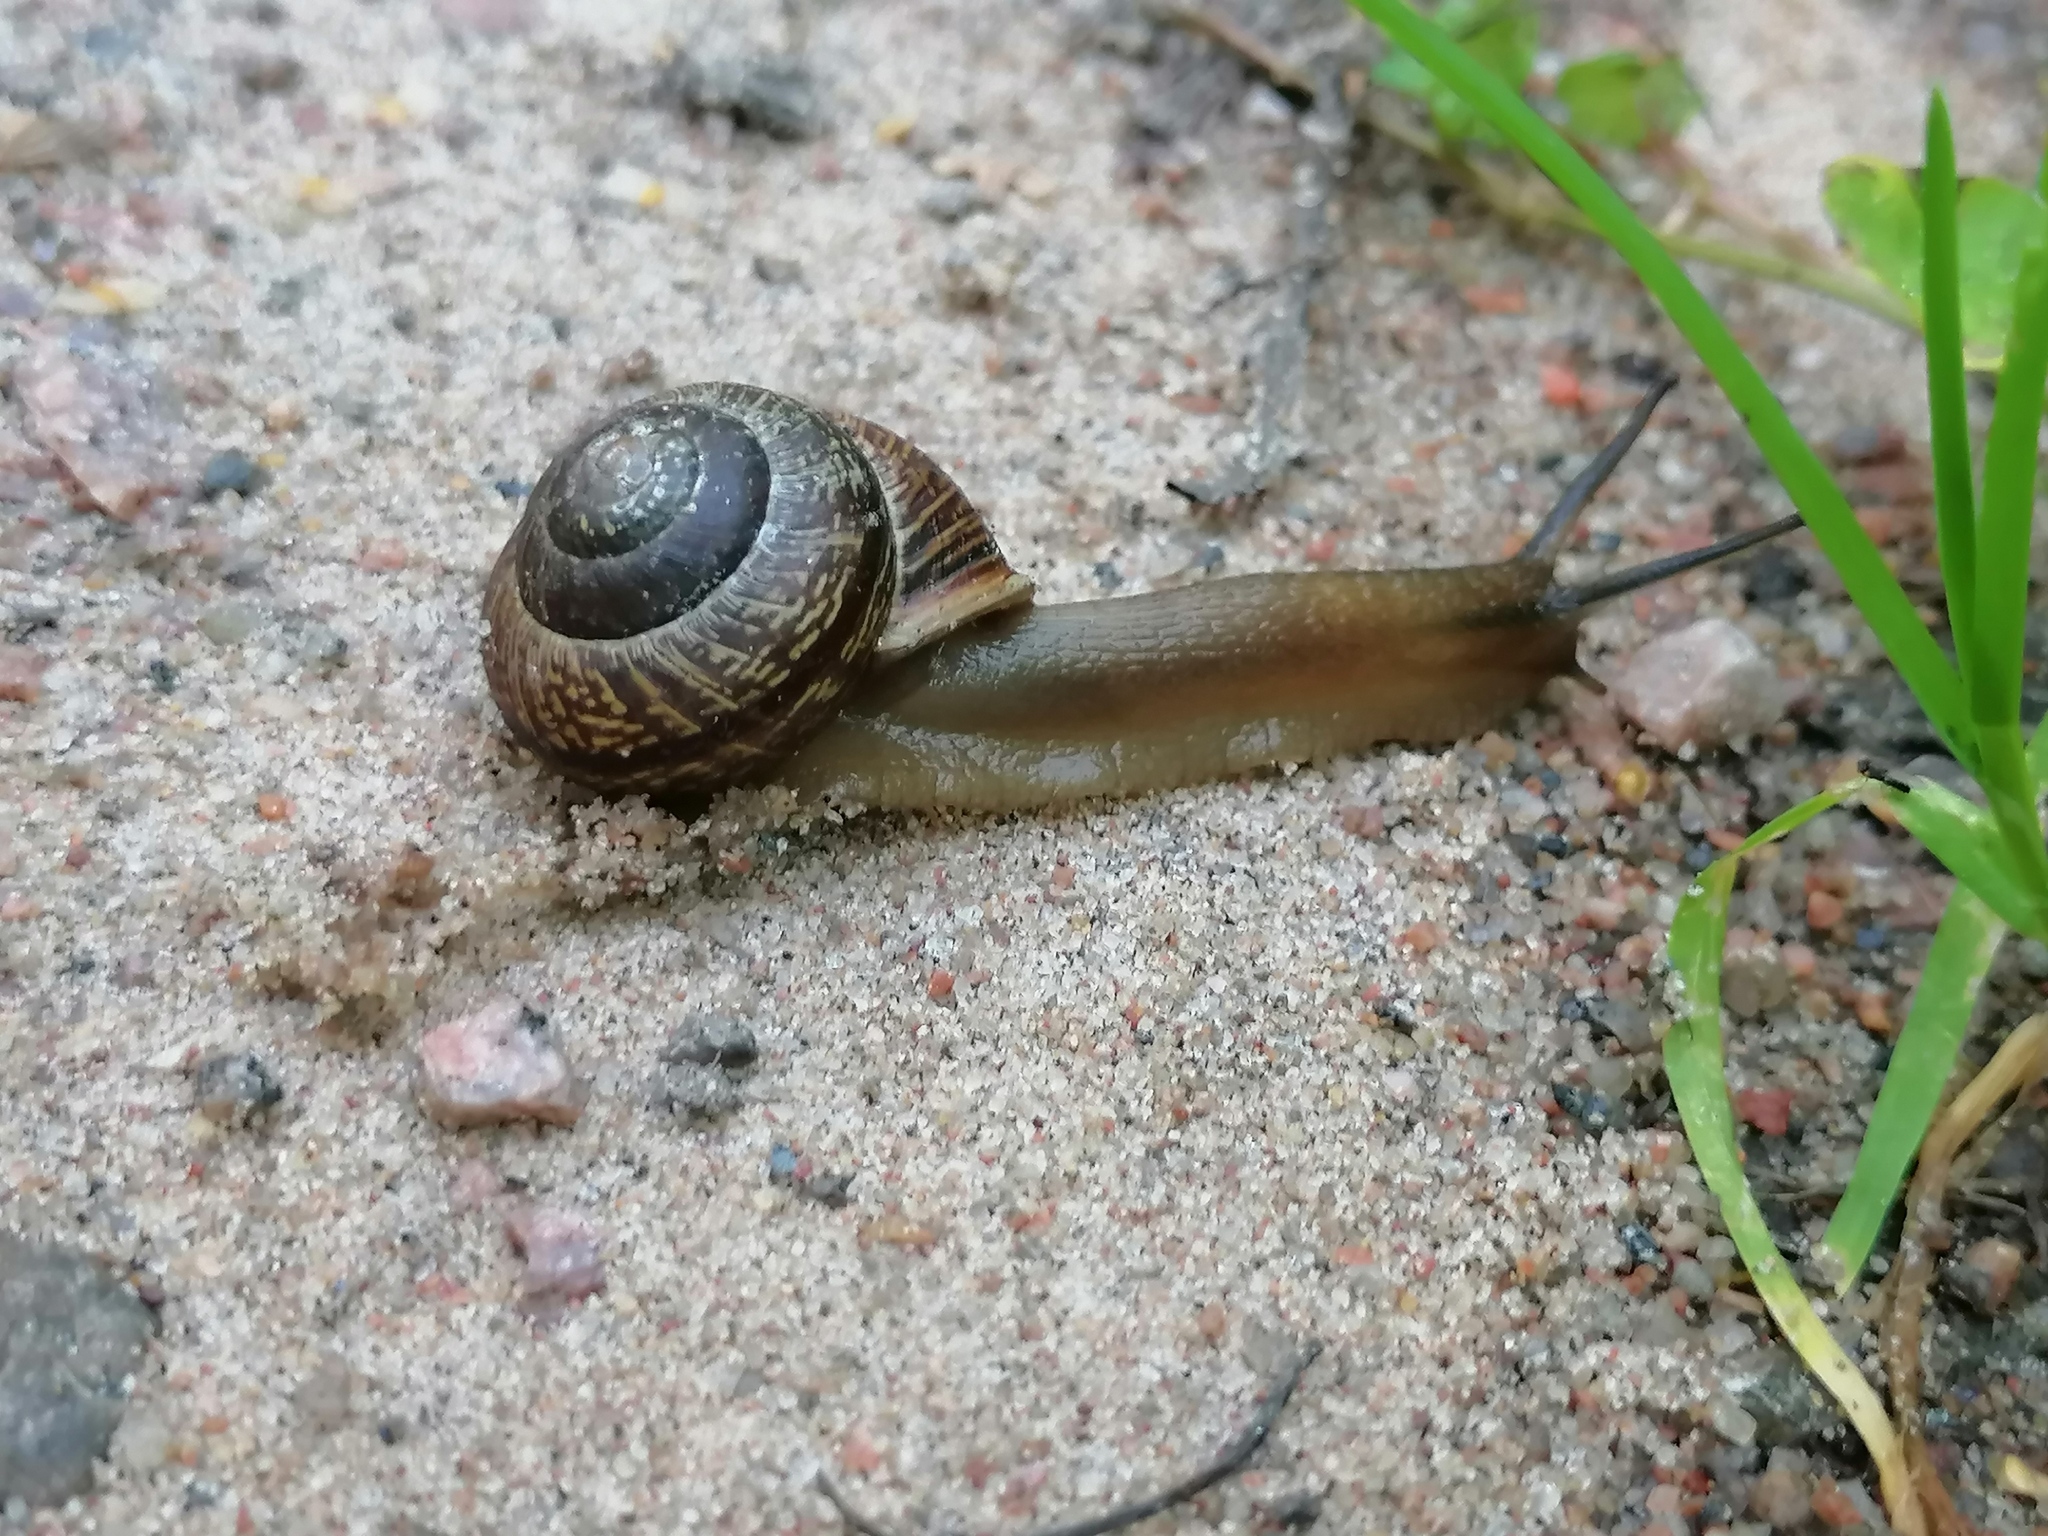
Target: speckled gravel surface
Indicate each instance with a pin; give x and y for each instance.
(1062, 1129)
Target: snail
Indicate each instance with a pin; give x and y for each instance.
(719, 585)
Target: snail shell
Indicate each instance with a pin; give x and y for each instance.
(700, 576)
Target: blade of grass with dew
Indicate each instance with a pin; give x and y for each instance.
(1820, 501)
(1694, 1065)
(1948, 413)
(1922, 1059)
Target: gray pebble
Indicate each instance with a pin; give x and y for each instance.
(322, 648)
(951, 201)
(234, 1088)
(699, 1092)
(71, 1337)
(227, 622)
(707, 1040)
(1754, 981)
(769, 94)
(777, 271)
(1694, 1279)
(322, 1399)
(229, 470)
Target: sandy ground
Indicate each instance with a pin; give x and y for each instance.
(1190, 1099)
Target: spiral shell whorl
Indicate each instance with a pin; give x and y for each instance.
(702, 627)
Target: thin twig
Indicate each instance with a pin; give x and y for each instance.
(2019, 1061)
(1278, 359)
(1785, 257)
(1230, 1460)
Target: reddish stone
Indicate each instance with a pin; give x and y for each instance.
(494, 1066)
(1768, 1109)
(561, 1252)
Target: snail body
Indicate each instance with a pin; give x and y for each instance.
(719, 585)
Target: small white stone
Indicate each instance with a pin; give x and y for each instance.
(1703, 685)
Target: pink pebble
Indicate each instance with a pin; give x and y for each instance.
(107, 417)
(497, 1065)
(474, 1184)
(561, 1253)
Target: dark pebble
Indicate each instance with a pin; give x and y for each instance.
(1641, 1245)
(828, 1189)
(269, 74)
(201, 1494)
(709, 1040)
(1551, 780)
(71, 1338)
(1789, 1407)
(1585, 1105)
(1773, 575)
(770, 95)
(1872, 936)
(1605, 543)
(1552, 844)
(235, 1088)
(228, 470)
(782, 1162)
(1107, 576)
(511, 490)
(1699, 856)
(284, 296)
(1296, 1510)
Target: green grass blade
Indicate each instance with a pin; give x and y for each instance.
(1856, 559)
(1948, 403)
(1699, 1084)
(2011, 457)
(1972, 845)
(1922, 1060)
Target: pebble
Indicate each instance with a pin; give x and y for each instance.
(235, 1088)
(951, 201)
(967, 286)
(1783, 1497)
(321, 647)
(1703, 685)
(1730, 1420)
(777, 271)
(1590, 1110)
(105, 415)
(636, 367)
(1984, 1273)
(495, 1066)
(708, 1039)
(141, 1443)
(21, 674)
(1754, 981)
(322, 1399)
(228, 470)
(700, 1092)
(561, 1249)
(71, 1338)
(1768, 1109)
(1692, 1277)
(473, 1185)
(768, 93)
(227, 622)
